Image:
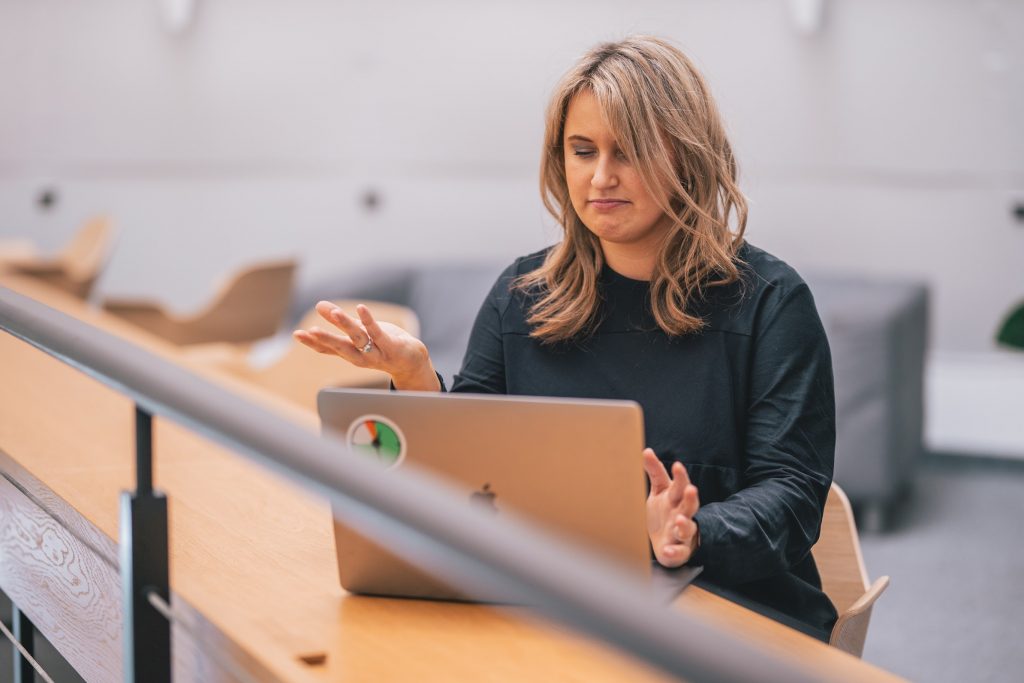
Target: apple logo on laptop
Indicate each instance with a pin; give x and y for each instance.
(484, 500)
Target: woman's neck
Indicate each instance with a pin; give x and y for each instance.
(629, 261)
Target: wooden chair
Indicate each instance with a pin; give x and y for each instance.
(249, 306)
(301, 372)
(843, 576)
(75, 268)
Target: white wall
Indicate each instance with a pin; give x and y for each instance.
(891, 143)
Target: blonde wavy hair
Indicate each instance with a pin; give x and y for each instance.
(665, 121)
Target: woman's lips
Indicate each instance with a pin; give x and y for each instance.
(607, 204)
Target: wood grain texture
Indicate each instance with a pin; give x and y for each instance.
(837, 553)
(844, 577)
(68, 591)
(61, 570)
(254, 554)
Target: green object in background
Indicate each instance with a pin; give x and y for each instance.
(1012, 331)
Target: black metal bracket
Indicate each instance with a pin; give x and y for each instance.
(144, 568)
(24, 634)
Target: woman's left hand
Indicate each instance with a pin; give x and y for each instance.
(671, 505)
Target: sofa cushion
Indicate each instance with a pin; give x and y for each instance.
(447, 299)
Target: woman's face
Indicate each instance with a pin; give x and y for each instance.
(604, 187)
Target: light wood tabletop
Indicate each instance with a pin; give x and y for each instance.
(253, 570)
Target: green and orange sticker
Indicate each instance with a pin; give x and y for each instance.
(377, 437)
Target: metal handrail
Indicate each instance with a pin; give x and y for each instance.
(412, 510)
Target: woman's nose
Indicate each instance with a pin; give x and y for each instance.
(604, 174)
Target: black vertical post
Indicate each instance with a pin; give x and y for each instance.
(25, 635)
(143, 452)
(147, 634)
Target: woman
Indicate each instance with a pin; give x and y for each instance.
(654, 296)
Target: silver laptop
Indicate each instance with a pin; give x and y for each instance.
(505, 453)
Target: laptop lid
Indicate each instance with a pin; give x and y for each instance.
(572, 466)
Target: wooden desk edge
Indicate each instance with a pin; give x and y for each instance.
(87, 558)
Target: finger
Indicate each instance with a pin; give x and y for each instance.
(674, 555)
(339, 346)
(303, 337)
(679, 473)
(675, 492)
(377, 334)
(332, 340)
(326, 310)
(683, 530)
(308, 340)
(691, 501)
(679, 483)
(349, 326)
(655, 471)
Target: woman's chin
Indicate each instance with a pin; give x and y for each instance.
(609, 231)
(618, 235)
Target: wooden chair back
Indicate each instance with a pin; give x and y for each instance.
(77, 266)
(252, 305)
(83, 257)
(843, 575)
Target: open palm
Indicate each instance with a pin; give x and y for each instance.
(366, 343)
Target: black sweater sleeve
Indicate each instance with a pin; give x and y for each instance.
(771, 523)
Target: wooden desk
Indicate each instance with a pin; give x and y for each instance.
(252, 561)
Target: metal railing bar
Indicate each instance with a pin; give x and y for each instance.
(144, 560)
(412, 510)
(168, 612)
(24, 653)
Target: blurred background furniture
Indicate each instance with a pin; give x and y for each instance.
(877, 329)
(300, 372)
(251, 305)
(75, 268)
(843, 575)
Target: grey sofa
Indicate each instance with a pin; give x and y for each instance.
(876, 329)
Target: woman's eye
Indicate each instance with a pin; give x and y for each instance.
(583, 152)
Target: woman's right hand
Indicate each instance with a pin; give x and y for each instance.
(368, 344)
(671, 504)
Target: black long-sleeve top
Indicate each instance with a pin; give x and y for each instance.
(747, 405)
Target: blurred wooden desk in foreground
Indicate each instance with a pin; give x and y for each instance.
(253, 569)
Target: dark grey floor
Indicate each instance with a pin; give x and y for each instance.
(956, 559)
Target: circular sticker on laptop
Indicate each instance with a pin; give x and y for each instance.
(377, 437)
